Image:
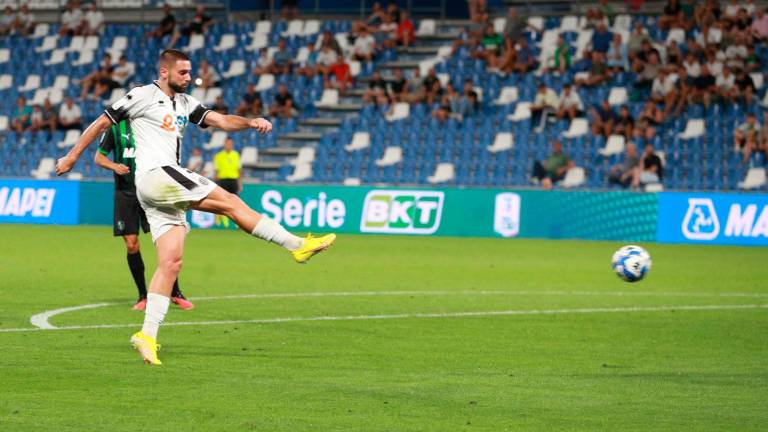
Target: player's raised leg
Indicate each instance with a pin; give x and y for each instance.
(170, 250)
(224, 203)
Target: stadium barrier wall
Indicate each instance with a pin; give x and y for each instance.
(671, 217)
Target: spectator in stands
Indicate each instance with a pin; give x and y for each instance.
(377, 15)
(263, 63)
(744, 87)
(545, 103)
(491, 45)
(570, 104)
(625, 123)
(674, 56)
(167, 26)
(364, 48)
(562, 55)
(330, 40)
(637, 39)
(220, 106)
(624, 172)
(393, 10)
(736, 53)
(663, 90)
(105, 83)
(341, 74)
(195, 162)
(672, 15)
(746, 131)
(524, 59)
(603, 119)
(94, 20)
(72, 20)
(198, 24)
(759, 28)
(598, 71)
(21, 119)
(647, 71)
(432, 90)
(308, 67)
(607, 10)
(752, 62)
(758, 143)
(282, 59)
(7, 21)
(516, 25)
(601, 39)
(478, 10)
(618, 56)
(405, 33)
(246, 103)
(208, 75)
(70, 115)
(50, 117)
(123, 71)
(554, 168)
(681, 93)
(415, 86)
(283, 105)
(290, 9)
(398, 87)
(692, 65)
(326, 58)
(468, 106)
(36, 119)
(726, 85)
(649, 119)
(594, 18)
(377, 90)
(92, 79)
(386, 33)
(227, 165)
(449, 99)
(704, 86)
(25, 21)
(649, 170)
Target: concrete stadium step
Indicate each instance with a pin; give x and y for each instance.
(280, 151)
(300, 136)
(265, 166)
(342, 107)
(419, 50)
(407, 64)
(321, 121)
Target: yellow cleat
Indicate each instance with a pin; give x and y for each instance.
(147, 347)
(312, 246)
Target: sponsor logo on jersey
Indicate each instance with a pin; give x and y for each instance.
(402, 212)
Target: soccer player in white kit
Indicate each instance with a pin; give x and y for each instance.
(159, 113)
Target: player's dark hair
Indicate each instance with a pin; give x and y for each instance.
(171, 56)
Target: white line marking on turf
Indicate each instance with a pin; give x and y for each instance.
(419, 315)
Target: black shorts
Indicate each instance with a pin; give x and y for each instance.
(129, 216)
(230, 185)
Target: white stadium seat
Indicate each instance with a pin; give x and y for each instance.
(755, 178)
(502, 142)
(574, 177)
(360, 140)
(444, 172)
(392, 155)
(614, 146)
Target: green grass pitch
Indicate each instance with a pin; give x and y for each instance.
(607, 356)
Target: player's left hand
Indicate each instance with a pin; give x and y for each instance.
(65, 164)
(261, 125)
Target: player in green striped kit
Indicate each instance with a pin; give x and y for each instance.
(129, 216)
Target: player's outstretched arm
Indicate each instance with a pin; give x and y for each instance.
(232, 123)
(65, 164)
(105, 163)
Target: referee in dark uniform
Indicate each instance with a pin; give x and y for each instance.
(129, 216)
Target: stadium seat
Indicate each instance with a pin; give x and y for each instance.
(570, 23)
(757, 79)
(236, 69)
(507, 96)
(196, 42)
(84, 58)
(3, 123)
(263, 27)
(76, 43)
(32, 83)
(41, 30)
(295, 28)
(266, 82)
(249, 156)
(45, 168)
(536, 22)
(502, 142)
(6, 81)
(49, 43)
(399, 111)
(75, 176)
(444, 172)
(211, 94)
(579, 127)
(614, 146)
(5, 55)
(329, 98)
(676, 35)
(115, 96)
(499, 23)
(301, 172)
(574, 177)
(91, 43)
(227, 42)
(352, 181)
(119, 45)
(756, 178)
(622, 23)
(522, 112)
(360, 140)
(618, 96)
(209, 170)
(654, 187)
(306, 156)
(693, 129)
(70, 139)
(392, 156)
(216, 142)
(426, 28)
(58, 56)
(311, 27)
(259, 41)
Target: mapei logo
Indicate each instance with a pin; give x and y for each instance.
(21, 202)
(402, 212)
(700, 222)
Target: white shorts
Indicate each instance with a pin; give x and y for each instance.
(165, 194)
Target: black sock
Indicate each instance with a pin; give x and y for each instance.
(136, 264)
(176, 292)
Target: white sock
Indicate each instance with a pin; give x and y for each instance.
(154, 314)
(272, 231)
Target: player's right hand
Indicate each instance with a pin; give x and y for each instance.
(65, 164)
(261, 125)
(121, 169)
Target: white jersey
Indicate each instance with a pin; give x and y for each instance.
(158, 124)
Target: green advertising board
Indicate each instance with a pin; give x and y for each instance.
(452, 212)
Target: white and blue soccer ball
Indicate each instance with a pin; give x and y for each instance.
(631, 263)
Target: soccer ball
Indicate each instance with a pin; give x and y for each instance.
(631, 263)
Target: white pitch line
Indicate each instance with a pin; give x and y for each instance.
(419, 315)
(41, 320)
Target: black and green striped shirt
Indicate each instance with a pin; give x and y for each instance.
(119, 141)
